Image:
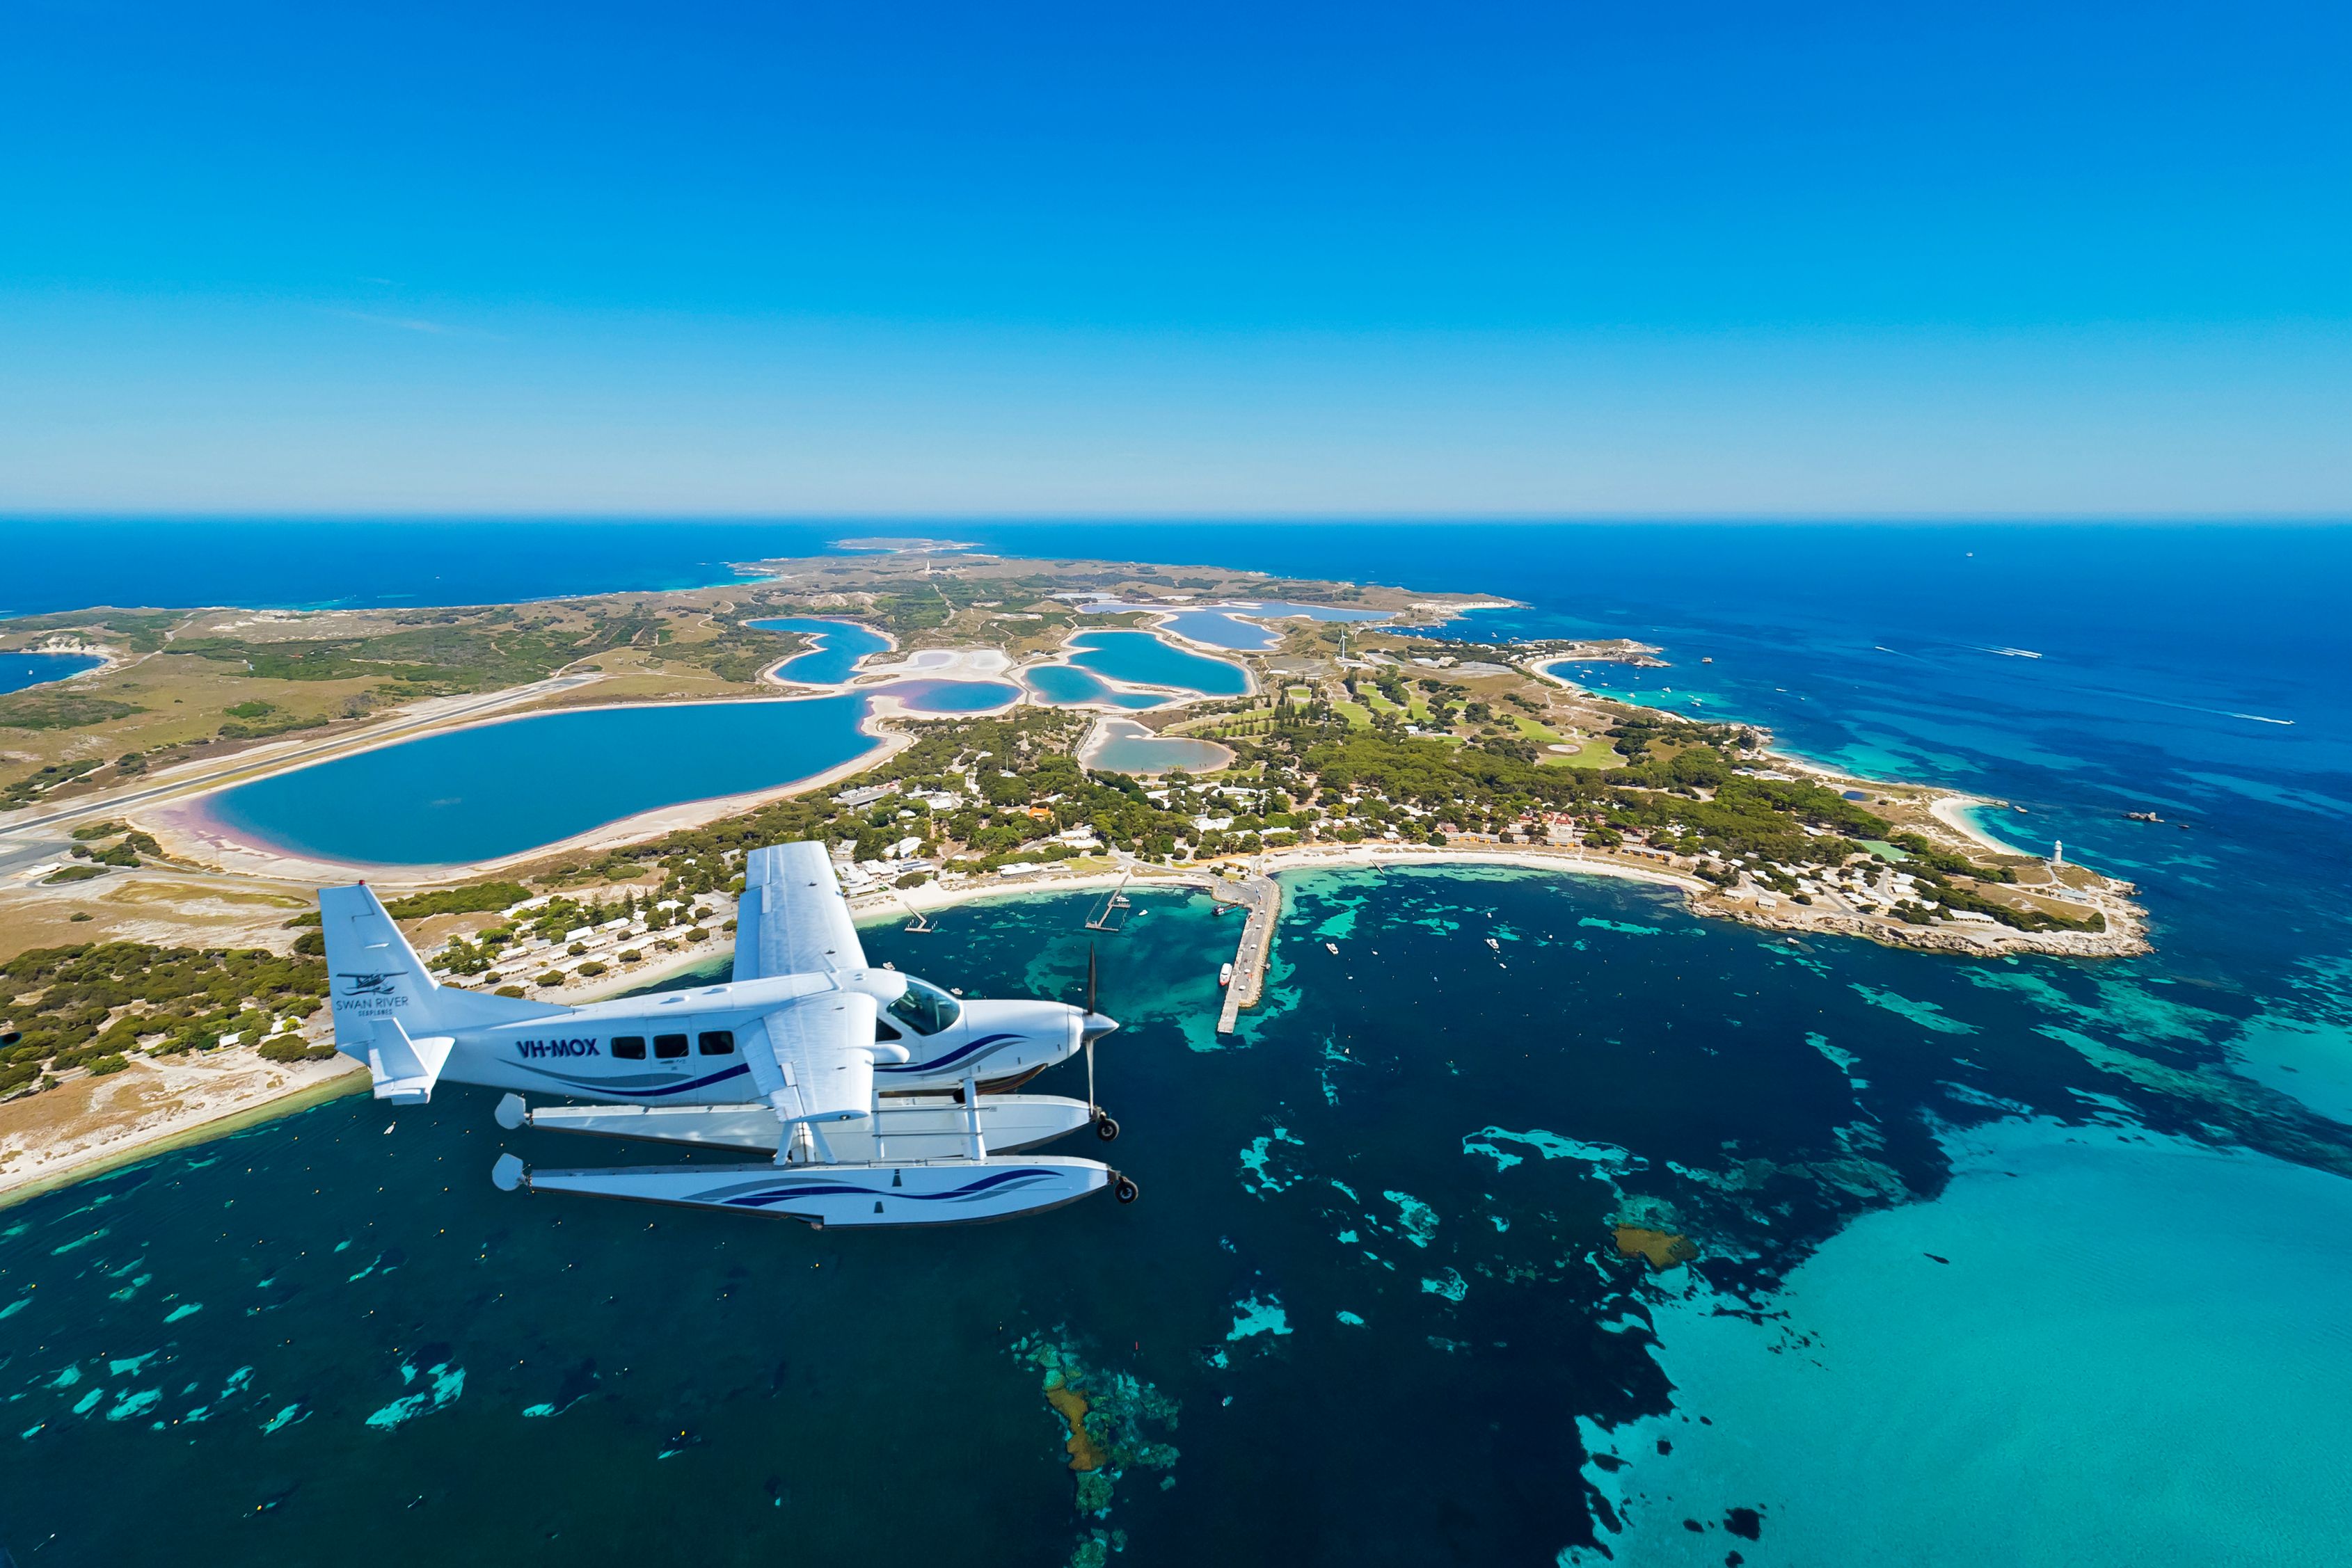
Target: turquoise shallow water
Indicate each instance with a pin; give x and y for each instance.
(2062, 1267)
(500, 789)
(1383, 1208)
(18, 671)
(839, 645)
(1149, 660)
(1067, 685)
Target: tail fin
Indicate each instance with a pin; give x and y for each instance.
(373, 973)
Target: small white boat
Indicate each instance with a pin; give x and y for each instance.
(1225, 976)
(1497, 947)
(1332, 948)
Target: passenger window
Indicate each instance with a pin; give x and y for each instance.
(717, 1041)
(669, 1045)
(629, 1047)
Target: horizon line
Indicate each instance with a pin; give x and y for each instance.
(1358, 519)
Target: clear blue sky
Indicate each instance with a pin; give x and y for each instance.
(1851, 260)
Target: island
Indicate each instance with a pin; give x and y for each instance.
(1010, 724)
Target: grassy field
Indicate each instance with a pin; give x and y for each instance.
(1596, 752)
(1541, 734)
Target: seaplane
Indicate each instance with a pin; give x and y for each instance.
(880, 1098)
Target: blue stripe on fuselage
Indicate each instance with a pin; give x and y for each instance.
(597, 1086)
(949, 1059)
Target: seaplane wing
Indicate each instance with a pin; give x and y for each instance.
(820, 1063)
(792, 919)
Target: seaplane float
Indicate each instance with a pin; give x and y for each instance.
(880, 1098)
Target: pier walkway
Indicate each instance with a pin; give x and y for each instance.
(1262, 896)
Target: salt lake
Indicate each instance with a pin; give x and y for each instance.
(839, 644)
(1148, 659)
(1123, 745)
(501, 788)
(1066, 685)
(1222, 626)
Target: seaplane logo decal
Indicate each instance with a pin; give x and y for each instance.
(370, 985)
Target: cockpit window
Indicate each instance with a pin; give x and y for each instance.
(925, 1008)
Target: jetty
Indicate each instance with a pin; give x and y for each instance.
(1262, 896)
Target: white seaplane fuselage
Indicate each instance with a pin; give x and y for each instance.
(880, 1098)
(687, 1048)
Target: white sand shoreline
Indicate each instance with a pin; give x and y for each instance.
(1956, 812)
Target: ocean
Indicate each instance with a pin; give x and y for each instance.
(2029, 1261)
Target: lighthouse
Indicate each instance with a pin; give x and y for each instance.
(2057, 852)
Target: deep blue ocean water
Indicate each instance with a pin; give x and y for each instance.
(328, 563)
(2028, 1262)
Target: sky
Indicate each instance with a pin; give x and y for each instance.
(1104, 259)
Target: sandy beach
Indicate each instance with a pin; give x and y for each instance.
(1957, 813)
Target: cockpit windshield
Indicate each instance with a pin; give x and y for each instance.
(925, 1008)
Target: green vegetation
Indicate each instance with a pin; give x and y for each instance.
(439, 659)
(125, 853)
(72, 873)
(478, 898)
(101, 831)
(258, 720)
(74, 1006)
(142, 634)
(290, 1047)
(40, 709)
(737, 653)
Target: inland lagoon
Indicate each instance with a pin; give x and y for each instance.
(839, 644)
(19, 671)
(1067, 686)
(1123, 745)
(501, 788)
(1148, 659)
(947, 696)
(1222, 626)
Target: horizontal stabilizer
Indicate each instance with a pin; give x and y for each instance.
(404, 1069)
